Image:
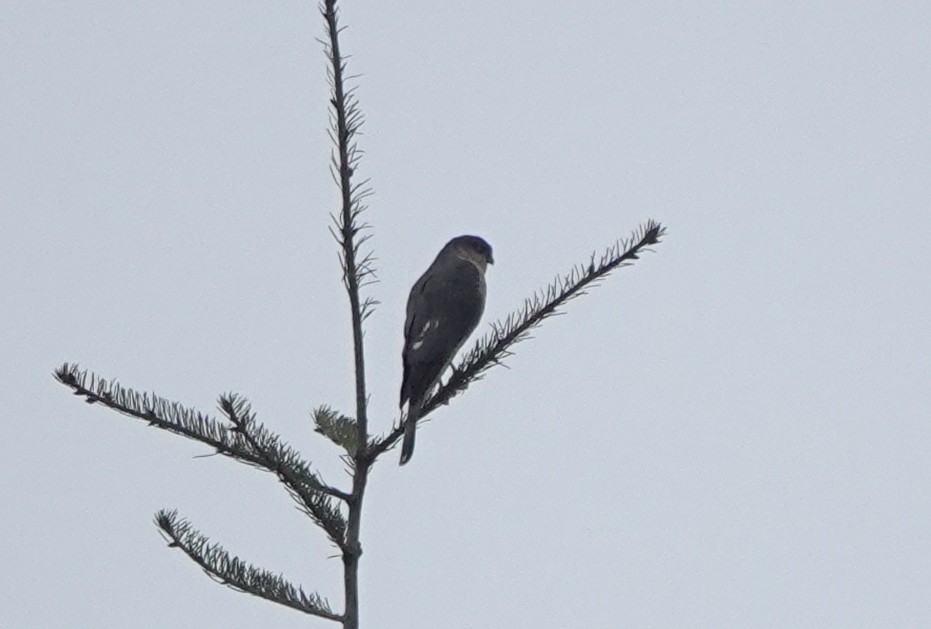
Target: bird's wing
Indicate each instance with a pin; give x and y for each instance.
(444, 307)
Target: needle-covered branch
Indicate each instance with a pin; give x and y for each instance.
(341, 430)
(495, 346)
(175, 418)
(287, 465)
(358, 269)
(346, 120)
(238, 574)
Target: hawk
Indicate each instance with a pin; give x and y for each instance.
(442, 311)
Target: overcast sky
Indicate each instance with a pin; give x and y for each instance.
(734, 432)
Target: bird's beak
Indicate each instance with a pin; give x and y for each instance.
(490, 259)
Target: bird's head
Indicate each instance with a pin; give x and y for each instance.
(473, 249)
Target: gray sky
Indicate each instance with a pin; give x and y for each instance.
(732, 433)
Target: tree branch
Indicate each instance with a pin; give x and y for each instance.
(346, 119)
(236, 573)
(338, 428)
(187, 422)
(278, 458)
(495, 346)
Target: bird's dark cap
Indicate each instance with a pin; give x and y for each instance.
(476, 244)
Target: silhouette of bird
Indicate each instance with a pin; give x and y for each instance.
(443, 309)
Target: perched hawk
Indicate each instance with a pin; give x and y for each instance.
(443, 308)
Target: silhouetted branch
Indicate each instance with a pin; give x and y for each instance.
(238, 574)
(358, 269)
(346, 119)
(174, 417)
(288, 466)
(494, 346)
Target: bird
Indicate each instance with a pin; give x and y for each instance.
(443, 308)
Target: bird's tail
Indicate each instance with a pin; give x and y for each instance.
(410, 431)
